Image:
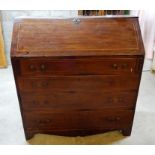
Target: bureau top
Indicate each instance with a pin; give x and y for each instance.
(76, 37)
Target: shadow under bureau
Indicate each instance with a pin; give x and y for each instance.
(76, 77)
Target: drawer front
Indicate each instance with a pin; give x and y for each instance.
(110, 119)
(79, 83)
(78, 100)
(83, 66)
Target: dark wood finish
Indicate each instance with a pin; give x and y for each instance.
(65, 100)
(78, 119)
(77, 76)
(66, 37)
(79, 83)
(97, 66)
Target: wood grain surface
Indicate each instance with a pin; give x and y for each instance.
(77, 77)
(64, 37)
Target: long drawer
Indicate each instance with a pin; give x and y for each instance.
(76, 66)
(107, 119)
(79, 83)
(70, 100)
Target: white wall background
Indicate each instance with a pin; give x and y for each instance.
(8, 17)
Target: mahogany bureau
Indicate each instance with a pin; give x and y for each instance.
(76, 77)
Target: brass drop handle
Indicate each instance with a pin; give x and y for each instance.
(42, 67)
(120, 99)
(34, 102)
(115, 66)
(118, 118)
(124, 66)
(32, 67)
(44, 122)
(33, 84)
(44, 84)
(113, 119)
(114, 100)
